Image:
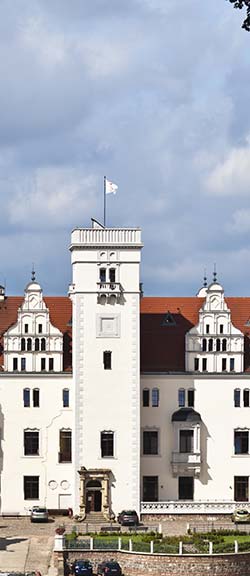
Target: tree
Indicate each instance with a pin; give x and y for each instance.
(243, 4)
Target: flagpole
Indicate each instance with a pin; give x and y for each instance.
(104, 206)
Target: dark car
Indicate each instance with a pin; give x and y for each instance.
(128, 518)
(82, 567)
(109, 569)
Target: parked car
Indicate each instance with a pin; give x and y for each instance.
(128, 518)
(241, 516)
(109, 569)
(38, 514)
(82, 567)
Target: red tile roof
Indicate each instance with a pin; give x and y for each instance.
(60, 311)
(163, 344)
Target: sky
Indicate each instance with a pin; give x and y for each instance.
(154, 94)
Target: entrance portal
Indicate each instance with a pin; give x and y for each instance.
(94, 501)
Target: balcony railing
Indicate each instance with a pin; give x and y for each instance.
(194, 507)
(186, 462)
(109, 287)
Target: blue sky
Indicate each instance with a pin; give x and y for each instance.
(152, 93)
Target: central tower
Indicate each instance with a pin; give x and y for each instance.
(105, 293)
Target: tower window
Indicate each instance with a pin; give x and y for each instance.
(224, 364)
(102, 274)
(51, 364)
(26, 397)
(204, 364)
(155, 397)
(107, 360)
(210, 345)
(112, 275)
(217, 345)
(196, 364)
(40, 328)
(23, 364)
(65, 397)
(204, 345)
(26, 328)
(43, 364)
(23, 344)
(36, 397)
(207, 328)
(37, 344)
(43, 344)
(145, 397)
(15, 364)
(231, 364)
(221, 328)
(107, 444)
(224, 344)
(237, 398)
(181, 397)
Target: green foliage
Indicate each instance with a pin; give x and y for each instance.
(71, 536)
(243, 4)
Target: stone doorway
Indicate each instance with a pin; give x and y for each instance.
(93, 496)
(95, 487)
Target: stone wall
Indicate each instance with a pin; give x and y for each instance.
(161, 565)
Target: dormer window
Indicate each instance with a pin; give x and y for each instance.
(221, 328)
(26, 328)
(207, 328)
(40, 328)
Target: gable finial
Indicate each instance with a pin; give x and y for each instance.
(33, 274)
(215, 273)
(205, 278)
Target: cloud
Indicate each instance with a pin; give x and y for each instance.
(231, 176)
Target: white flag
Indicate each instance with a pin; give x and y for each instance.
(111, 187)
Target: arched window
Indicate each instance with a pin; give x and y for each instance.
(65, 397)
(26, 397)
(224, 344)
(155, 397)
(29, 344)
(43, 344)
(210, 344)
(37, 344)
(237, 398)
(181, 397)
(23, 344)
(204, 345)
(246, 398)
(217, 344)
(145, 397)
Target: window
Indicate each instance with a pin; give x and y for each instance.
(186, 487)
(145, 397)
(237, 398)
(36, 397)
(31, 442)
(43, 344)
(150, 488)
(224, 364)
(23, 364)
(224, 345)
(191, 398)
(196, 364)
(204, 345)
(37, 344)
(221, 328)
(241, 488)
(155, 397)
(246, 398)
(210, 345)
(207, 328)
(241, 444)
(15, 364)
(186, 441)
(107, 444)
(150, 442)
(181, 397)
(65, 438)
(29, 344)
(43, 364)
(65, 397)
(112, 275)
(26, 397)
(23, 344)
(107, 360)
(51, 364)
(102, 274)
(40, 328)
(204, 364)
(26, 328)
(217, 344)
(31, 487)
(231, 364)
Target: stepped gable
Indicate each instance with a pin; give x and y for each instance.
(163, 342)
(60, 311)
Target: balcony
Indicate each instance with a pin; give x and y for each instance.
(186, 463)
(105, 290)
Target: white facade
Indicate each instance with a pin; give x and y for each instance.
(97, 436)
